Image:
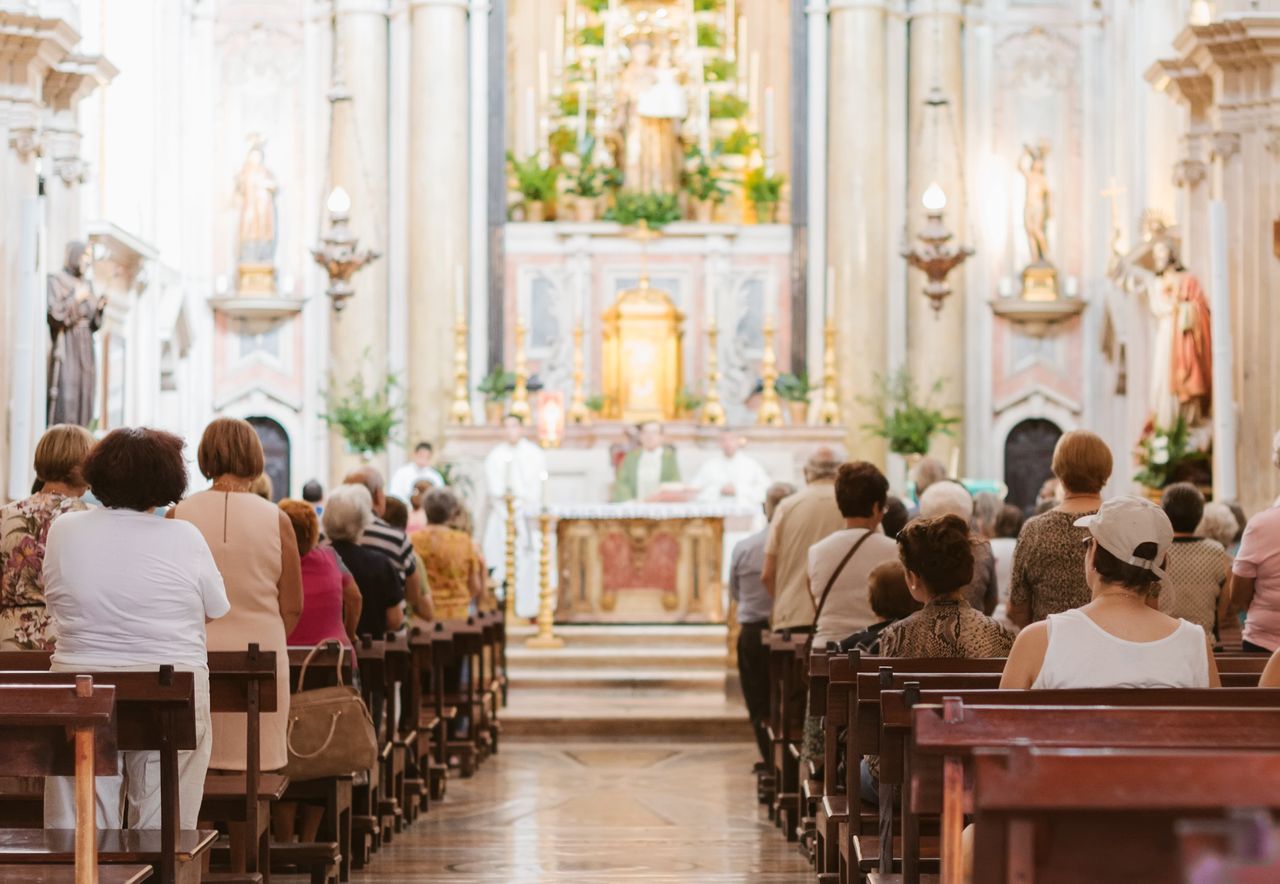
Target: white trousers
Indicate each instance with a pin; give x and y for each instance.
(138, 784)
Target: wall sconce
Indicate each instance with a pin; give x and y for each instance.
(933, 254)
(337, 252)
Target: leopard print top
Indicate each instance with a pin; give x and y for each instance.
(946, 628)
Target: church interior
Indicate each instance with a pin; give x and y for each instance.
(726, 440)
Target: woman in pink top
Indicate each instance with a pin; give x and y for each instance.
(1255, 576)
(330, 598)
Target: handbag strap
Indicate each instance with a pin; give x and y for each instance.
(302, 673)
(835, 575)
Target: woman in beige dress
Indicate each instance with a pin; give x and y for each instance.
(256, 551)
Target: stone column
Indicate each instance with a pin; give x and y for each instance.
(438, 150)
(857, 196)
(936, 341)
(358, 164)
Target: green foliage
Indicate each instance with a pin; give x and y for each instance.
(1165, 456)
(561, 141)
(364, 418)
(740, 142)
(907, 421)
(701, 180)
(536, 182)
(596, 404)
(657, 209)
(762, 189)
(596, 6)
(497, 385)
(719, 70)
(589, 180)
(591, 35)
(706, 5)
(709, 36)
(793, 387)
(569, 103)
(726, 107)
(687, 401)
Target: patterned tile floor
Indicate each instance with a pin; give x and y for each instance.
(597, 811)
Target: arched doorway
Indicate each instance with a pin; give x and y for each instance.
(276, 449)
(1028, 460)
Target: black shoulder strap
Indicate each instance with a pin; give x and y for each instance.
(835, 575)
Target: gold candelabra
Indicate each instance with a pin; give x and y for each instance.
(510, 601)
(460, 411)
(712, 409)
(770, 414)
(520, 397)
(578, 411)
(546, 638)
(829, 413)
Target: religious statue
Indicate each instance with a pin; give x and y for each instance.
(256, 231)
(652, 106)
(74, 314)
(1035, 215)
(1182, 371)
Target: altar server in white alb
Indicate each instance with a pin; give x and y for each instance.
(732, 475)
(519, 465)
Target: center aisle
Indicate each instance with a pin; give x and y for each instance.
(599, 811)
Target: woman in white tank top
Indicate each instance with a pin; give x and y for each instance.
(1119, 639)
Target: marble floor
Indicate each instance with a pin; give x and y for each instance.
(601, 810)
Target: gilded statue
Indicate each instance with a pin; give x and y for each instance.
(1036, 213)
(1181, 372)
(650, 110)
(74, 314)
(256, 192)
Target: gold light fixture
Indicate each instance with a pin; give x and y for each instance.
(337, 252)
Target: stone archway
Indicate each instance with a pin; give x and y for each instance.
(1028, 459)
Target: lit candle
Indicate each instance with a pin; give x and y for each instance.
(829, 296)
(530, 123)
(711, 302)
(546, 489)
(753, 93)
(511, 474)
(768, 130)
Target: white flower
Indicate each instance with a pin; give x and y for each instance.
(1159, 456)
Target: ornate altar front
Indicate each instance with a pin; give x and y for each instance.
(643, 563)
(643, 345)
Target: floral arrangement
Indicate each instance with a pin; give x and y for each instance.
(739, 141)
(701, 179)
(1165, 455)
(656, 209)
(497, 385)
(726, 107)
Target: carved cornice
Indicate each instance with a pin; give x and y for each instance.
(1224, 145)
(1189, 172)
(74, 78)
(29, 47)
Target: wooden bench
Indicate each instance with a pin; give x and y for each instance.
(60, 730)
(785, 727)
(413, 777)
(369, 822)
(154, 712)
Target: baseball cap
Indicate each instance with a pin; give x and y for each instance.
(1125, 523)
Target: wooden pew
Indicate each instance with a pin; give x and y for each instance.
(369, 822)
(154, 712)
(411, 776)
(786, 725)
(1054, 816)
(60, 730)
(951, 733)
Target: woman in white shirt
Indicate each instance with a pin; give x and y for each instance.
(131, 591)
(1119, 639)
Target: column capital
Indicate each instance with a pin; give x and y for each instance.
(25, 140)
(361, 7)
(72, 170)
(1189, 172)
(1224, 145)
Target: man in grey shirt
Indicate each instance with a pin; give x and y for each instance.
(746, 587)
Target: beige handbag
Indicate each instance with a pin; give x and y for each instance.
(330, 731)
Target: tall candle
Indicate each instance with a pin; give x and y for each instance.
(544, 77)
(530, 123)
(742, 46)
(582, 113)
(828, 297)
(768, 131)
(546, 489)
(753, 93)
(704, 119)
(558, 56)
(511, 474)
(730, 29)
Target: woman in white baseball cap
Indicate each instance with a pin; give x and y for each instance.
(1118, 639)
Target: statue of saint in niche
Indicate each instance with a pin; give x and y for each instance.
(256, 191)
(74, 314)
(1035, 215)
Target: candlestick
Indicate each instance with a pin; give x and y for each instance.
(769, 146)
(743, 58)
(520, 397)
(546, 638)
(582, 117)
(578, 411)
(460, 410)
(730, 29)
(828, 296)
(509, 578)
(829, 413)
(770, 414)
(712, 410)
(704, 122)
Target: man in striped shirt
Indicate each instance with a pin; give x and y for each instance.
(389, 540)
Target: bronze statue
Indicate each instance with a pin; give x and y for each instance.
(75, 313)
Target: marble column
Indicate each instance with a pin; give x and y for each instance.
(936, 341)
(358, 164)
(438, 170)
(857, 197)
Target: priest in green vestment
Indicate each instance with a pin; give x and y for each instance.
(646, 469)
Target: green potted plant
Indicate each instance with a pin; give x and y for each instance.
(591, 35)
(496, 387)
(764, 192)
(655, 209)
(687, 402)
(735, 147)
(794, 389)
(709, 36)
(904, 419)
(536, 184)
(587, 182)
(704, 185)
(718, 70)
(561, 141)
(726, 106)
(706, 5)
(364, 418)
(597, 404)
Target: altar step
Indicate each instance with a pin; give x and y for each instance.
(652, 681)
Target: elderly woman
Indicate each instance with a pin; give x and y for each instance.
(450, 557)
(1117, 639)
(127, 590)
(330, 598)
(1048, 563)
(950, 498)
(1219, 523)
(24, 524)
(348, 512)
(1255, 576)
(256, 549)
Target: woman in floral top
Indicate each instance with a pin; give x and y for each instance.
(449, 556)
(24, 525)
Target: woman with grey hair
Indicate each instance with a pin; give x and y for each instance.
(1218, 523)
(950, 498)
(348, 512)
